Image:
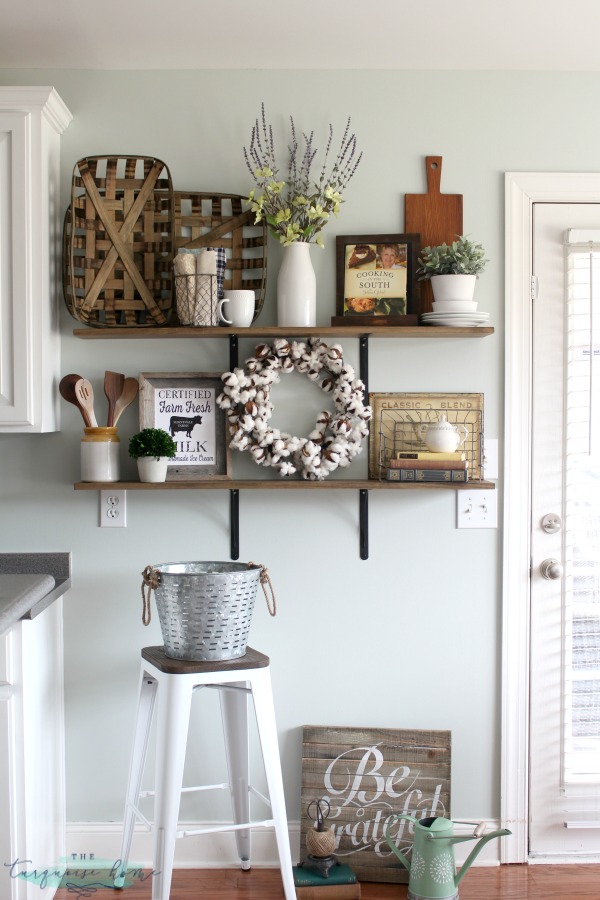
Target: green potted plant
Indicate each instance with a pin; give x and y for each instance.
(453, 269)
(153, 448)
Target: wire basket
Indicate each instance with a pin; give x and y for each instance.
(196, 298)
(398, 420)
(205, 608)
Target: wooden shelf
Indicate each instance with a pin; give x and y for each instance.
(363, 486)
(225, 484)
(273, 331)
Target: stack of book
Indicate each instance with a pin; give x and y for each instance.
(340, 884)
(424, 465)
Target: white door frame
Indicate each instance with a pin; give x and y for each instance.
(522, 190)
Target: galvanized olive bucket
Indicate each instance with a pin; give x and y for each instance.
(205, 608)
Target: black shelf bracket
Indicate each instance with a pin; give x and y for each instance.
(363, 517)
(234, 495)
(234, 522)
(363, 495)
(363, 349)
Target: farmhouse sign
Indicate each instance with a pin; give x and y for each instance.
(184, 405)
(367, 776)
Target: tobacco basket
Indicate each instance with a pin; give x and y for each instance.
(217, 220)
(118, 242)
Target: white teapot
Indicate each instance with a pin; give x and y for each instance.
(442, 436)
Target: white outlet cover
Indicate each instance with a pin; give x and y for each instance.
(113, 508)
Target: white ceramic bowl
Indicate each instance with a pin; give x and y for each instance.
(454, 306)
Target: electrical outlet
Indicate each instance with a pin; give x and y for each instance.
(113, 509)
(476, 509)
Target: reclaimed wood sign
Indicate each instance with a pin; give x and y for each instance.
(368, 775)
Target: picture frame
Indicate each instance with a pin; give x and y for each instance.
(184, 405)
(398, 418)
(376, 279)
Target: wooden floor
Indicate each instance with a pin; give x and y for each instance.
(560, 882)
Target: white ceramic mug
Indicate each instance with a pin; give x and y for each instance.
(240, 309)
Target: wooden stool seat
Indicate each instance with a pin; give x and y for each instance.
(252, 659)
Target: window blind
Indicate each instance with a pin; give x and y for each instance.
(581, 509)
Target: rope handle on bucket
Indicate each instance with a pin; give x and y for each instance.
(265, 579)
(151, 580)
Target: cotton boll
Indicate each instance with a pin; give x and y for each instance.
(258, 454)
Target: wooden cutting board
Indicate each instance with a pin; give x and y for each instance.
(437, 217)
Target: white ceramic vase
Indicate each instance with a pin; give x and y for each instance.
(453, 287)
(153, 468)
(297, 287)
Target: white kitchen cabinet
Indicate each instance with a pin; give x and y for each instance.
(31, 122)
(32, 762)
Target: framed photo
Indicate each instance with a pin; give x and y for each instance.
(376, 279)
(399, 420)
(184, 405)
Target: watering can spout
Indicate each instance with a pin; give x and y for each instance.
(476, 850)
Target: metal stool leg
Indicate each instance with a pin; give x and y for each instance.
(267, 730)
(234, 712)
(174, 701)
(143, 721)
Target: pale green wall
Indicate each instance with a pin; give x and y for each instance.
(410, 638)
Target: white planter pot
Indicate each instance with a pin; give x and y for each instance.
(152, 468)
(453, 287)
(297, 287)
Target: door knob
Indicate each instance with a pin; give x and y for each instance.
(551, 569)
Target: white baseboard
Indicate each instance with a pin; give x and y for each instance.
(98, 843)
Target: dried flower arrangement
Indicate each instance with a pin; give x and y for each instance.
(297, 209)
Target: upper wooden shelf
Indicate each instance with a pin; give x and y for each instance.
(273, 331)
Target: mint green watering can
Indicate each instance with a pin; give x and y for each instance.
(432, 867)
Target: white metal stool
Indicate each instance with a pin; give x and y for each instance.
(175, 680)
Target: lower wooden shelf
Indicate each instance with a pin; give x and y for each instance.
(225, 484)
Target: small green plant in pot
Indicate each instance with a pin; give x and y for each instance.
(452, 269)
(153, 448)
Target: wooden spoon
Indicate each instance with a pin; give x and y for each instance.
(113, 387)
(85, 394)
(67, 392)
(128, 395)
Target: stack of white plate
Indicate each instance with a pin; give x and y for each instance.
(455, 319)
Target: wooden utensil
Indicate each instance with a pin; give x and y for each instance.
(437, 217)
(85, 394)
(113, 387)
(67, 392)
(128, 395)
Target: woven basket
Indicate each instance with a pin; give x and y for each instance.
(217, 220)
(118, 242)
(205, 608)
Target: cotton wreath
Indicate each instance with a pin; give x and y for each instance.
(336, 438)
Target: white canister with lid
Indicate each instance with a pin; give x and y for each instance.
(100, 454)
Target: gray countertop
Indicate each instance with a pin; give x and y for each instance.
(29, 583)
